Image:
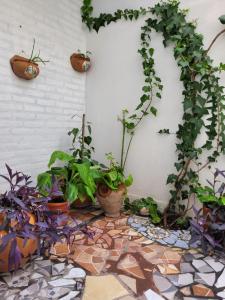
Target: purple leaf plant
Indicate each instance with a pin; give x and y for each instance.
(17, 205)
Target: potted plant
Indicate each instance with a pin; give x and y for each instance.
(144, 207)
(81, 62)
(76, 179)
(82, 151)
(25, 223)
(27, 68)
(112, 188)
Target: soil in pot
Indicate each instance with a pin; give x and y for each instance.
(24, 68)
(80, 63)
(26, 250)
(111, 201)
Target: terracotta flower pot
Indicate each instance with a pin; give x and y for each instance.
(61, 207)
(80, 63)
(111, 201)
(27, 250)
(24, 68)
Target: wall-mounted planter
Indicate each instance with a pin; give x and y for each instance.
(24, 68)
(80, 62)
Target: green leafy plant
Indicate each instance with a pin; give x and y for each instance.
(203, 102)
(148, 204)
(113, 176)
(76, 180)
(35, 57)
(81, 143)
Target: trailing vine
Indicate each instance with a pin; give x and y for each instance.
(203, 102)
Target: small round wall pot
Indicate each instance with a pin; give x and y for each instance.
(26, 250)
(80, 63)
(24, 68)
(111, 201)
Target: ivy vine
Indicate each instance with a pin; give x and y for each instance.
(203, 102)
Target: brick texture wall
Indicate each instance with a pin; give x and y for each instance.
(36, 115)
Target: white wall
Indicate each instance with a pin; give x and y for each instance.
(115, 82)
(35, 116)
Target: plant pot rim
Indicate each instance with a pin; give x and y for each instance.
(17, 58)
(80, 56)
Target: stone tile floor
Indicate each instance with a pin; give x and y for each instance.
(120, 263)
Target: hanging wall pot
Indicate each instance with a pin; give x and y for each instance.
(80, 62)
(26, 68)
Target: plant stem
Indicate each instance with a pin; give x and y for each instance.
(83, 135)
(214, 40)
(128, 148)
(123, 141)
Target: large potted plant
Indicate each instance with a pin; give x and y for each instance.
(25, 223)
(76, 179)
(112, 188)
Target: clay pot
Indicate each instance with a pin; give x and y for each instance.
(111, 201)
(27, 250)
(80, 63)
(61, 207)
(23, 68)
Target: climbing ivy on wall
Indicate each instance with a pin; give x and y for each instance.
(203, 97)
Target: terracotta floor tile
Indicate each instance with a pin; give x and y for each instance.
(203, 291)
(130, 265)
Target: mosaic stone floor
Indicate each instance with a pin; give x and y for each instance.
(120, 263)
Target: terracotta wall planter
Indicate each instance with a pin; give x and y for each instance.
(111, 201)
(27, 250)
(80, 63)
(23, 68)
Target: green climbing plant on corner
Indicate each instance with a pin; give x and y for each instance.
(203, 96)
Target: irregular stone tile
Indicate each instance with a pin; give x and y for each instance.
(130, 265)
(128, 298)
(43, 263)
(130, 282)
(114, 232)
(42, 283)
(198, 255)
(162, 283)
(75, 273)
(71, 295)
(58, 269)
(186, 268)
(106, 287)
(170, 294)
(36, 276)
(173, 279)
(188, 257)
(168, 269)
(150, 295)
(185, 279)
(194, 298)
(18, 279)
(32, 289)
(186, 291)
(216, 265)
(60, 249)
(201, 266)
(43, 272)
(171, 239)
(205, 278)
(62, 282)
(221, 294)
(221, 280)
(181, 244)
(201, 290)
(56, 293)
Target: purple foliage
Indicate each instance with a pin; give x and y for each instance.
(208, 229)
(16, 207)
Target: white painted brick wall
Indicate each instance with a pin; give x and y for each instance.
(35, 116)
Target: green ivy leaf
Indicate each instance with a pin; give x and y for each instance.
(153, 110)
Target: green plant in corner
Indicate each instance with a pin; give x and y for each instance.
(203, 102)
(144, 206)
